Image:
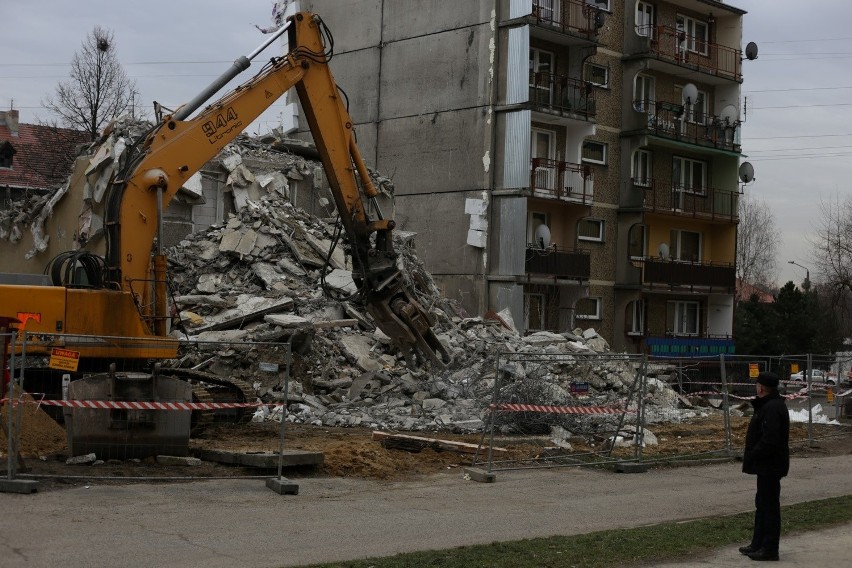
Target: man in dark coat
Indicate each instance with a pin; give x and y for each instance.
(767, 455)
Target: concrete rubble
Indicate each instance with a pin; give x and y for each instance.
(261, 278)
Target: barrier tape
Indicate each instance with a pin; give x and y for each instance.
(716, 393)
(556, 409)
(128, 405)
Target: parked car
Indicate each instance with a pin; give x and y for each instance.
(817, 376)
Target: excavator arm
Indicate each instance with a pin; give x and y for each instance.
(179, 146)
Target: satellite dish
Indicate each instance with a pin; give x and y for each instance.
(729, 114)
(746, 172)
(542, 236)
(751, 51)
(690, 93)
(663, 249)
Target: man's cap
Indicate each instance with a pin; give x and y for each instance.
(768, 379)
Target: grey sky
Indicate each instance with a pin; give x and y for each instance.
(798, 90)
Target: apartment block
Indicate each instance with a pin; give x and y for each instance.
(572, 161)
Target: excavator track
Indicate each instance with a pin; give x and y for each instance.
(207, 387)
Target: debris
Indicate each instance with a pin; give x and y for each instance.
(418, 443)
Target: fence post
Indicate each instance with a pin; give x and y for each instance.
(726, 412)
(811, 443)
(10, 484)
(640, 409)
(281, 484)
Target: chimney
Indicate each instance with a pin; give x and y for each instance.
(10, 119)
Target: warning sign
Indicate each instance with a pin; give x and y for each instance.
(64, 359)
(753, 370)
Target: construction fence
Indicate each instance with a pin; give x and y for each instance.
(131, 405)
(558, 410)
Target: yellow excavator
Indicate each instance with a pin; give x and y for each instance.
(124, 302)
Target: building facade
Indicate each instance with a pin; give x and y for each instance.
(572, 161)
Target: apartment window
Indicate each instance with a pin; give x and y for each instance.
(636, 239)
(546, 10)
(697, 34)
(643, 93)
(537, 219)
(602, 4)
(588, 308)
(685, 245)
(594, 152)
(542, 68)
(645, 19)
(597, 74)
(696, 112)
(636, 317)
(590, 230)
(682, 317)
(641, 168)
(534, 312)
(689, 175)
(543, 147)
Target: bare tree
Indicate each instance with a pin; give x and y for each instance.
(757, 243)
(833, 244)
(98, 90)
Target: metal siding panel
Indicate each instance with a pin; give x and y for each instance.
(517, 65)
(519, 8)
(512, 237)
(516, 149)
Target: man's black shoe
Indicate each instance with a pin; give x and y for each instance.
(763, 555)
(748, 549)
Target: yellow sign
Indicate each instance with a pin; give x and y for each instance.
(64, 359)
(830, 394)
(753, 370)
(794, 368)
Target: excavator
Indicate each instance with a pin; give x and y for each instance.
(117, 322)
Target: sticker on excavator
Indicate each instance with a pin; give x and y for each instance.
(64, 359)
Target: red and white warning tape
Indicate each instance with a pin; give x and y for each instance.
(716, 393)
(128, 405)
(556, 409)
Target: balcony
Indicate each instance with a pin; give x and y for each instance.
(558, 262)
(564, 181)
(706, 203)
(674, 273)
(573, 17)
(561, 94)
(670, 44)
(673, 121)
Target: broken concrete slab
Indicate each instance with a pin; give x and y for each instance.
(247, 309)
(178, 460)
(264, 460)
(287, 321)
(341, 280)
(85, 459)
(359, 349)
(322, 247)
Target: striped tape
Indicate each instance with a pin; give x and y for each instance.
(556, 409)
(129, 405)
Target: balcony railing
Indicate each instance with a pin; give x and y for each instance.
(676, 46)
(567, 16)
(560, 263)
(688, 274)
(705, 203)
(562, 93)
(564, 181)
(666, 346)
(675, 121)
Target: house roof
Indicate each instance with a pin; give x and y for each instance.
(43, 155)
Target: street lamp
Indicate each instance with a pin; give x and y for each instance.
(807, 284)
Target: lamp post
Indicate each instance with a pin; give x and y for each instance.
(807, 284)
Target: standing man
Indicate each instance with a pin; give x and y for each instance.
(767, 455)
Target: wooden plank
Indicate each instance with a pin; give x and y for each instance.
(404, 441)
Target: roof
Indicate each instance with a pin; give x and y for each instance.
(43, 155)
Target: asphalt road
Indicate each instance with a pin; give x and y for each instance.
(242, 523)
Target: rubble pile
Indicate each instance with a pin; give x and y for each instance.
(271, 274)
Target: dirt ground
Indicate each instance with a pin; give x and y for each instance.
(353, 452)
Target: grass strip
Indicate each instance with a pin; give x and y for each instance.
(639, 546)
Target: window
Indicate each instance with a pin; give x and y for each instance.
(537, 219)
(636, 317)
(543, 149)
(546, 10)
(696, 36)
(588, 308)
(636, 242)
(643, 93)
(594, 152)
(641, 169)
(645, 19)
(689, 175)
(534, 312)
(597, 75)
(590, 230)
(685, 245)
(542, 68)
(682, 317)
(696, 112)
(602, 4)
(7, 153)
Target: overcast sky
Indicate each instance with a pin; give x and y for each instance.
(797, 134)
